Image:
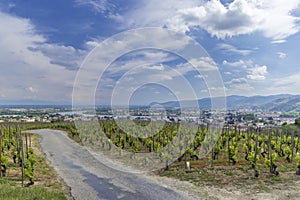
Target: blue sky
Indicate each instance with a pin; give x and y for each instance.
(253, 43)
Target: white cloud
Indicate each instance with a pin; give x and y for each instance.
(91, 44)
(200, 76)
(237, 81)
(257, 73)
(31, 89)
(239, 86)
(107, 8)
(251, 70)
(213, 17)
(241, 89)
(278, 41)
(204, 64)
(229, 49)
(285, 84)
(140, 58)
(156, 12)
(157, 67)
(143, 55)
(99, 6)
(27, 74)
(66, 56)
(168, 76)
(272, 18)
(281, 55)
(241, 63)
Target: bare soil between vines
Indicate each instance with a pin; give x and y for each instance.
(236, 182)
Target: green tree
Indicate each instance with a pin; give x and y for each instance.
(297, 121)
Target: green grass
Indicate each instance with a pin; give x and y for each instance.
(229, 173)
(10, 192)
(47, 184)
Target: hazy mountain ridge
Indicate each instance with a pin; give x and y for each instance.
(281, 102)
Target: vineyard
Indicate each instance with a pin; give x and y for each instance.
(24, 171)
(201, 146)
(156, 145)
(16, 150)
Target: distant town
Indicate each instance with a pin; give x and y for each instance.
(50, 114)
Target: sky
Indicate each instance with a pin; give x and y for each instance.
(249, 47)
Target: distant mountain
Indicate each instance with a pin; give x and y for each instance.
(254, 101)
(284, 104)
(281, 102)
(30, 102)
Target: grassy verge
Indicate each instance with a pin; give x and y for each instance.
(47, 184)
(9, 191)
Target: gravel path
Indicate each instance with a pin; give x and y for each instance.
(89, 179)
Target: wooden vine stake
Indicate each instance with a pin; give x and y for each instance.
(256, 174)
(0, 152)
(26, 145)
(270, 150)
(228, 145)
(30, 140)
(212, 149)
(18, 144)
(293, 144)
(22, 161)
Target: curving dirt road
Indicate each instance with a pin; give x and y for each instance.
(89, 179)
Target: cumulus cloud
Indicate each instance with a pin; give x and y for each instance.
(250, 70)
(257, 73)
(274, 19)
(66, 56)
(241, 63)
(27, 74)
(215, 18)
(204, 64)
